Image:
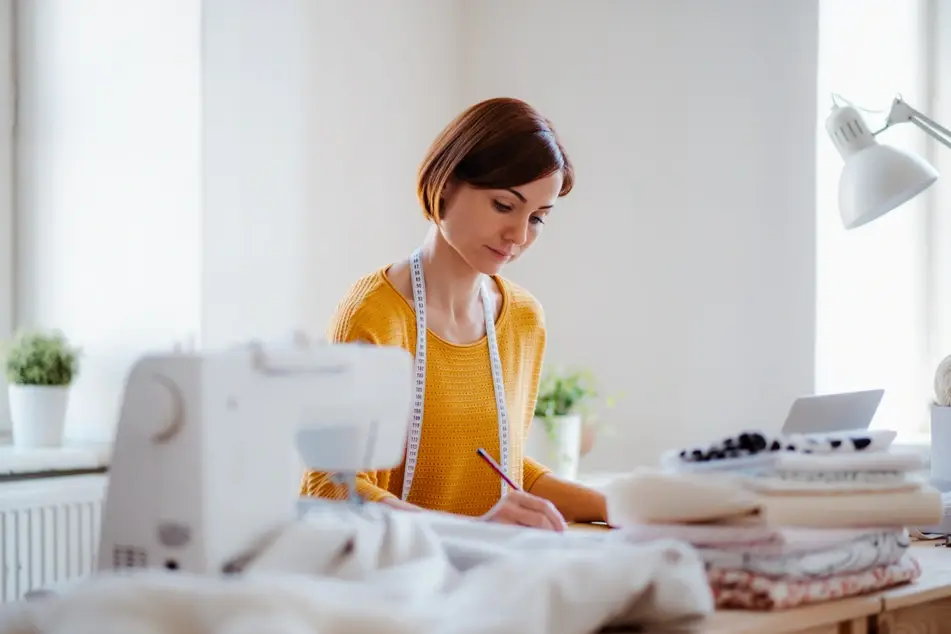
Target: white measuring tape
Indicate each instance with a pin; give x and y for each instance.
(416, 427)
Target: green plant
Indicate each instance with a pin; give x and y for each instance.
(41, 358)
(563, 392)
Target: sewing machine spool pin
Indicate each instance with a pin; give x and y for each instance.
(349, 479)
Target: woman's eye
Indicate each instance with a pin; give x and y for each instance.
(500, 206)
(538, 220)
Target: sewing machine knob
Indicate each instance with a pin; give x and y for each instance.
(171, 413)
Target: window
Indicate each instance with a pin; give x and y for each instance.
(7, 227)
(873, 304)
(940, 219)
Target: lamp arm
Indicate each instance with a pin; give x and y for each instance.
(901, 112)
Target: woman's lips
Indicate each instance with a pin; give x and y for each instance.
(499, 255)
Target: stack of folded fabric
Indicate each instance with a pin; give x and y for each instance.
(760, 567)
(831, 511)
(839, 480)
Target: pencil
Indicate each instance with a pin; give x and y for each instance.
(495, 467)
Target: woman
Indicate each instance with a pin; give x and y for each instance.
(488, 185)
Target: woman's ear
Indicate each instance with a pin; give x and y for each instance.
(449, 189)
(446, 194)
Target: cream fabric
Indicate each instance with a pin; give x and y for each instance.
(654, 497)
(345, 572)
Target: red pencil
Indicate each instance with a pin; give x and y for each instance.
(495, 467)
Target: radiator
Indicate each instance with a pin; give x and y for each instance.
(49, 532)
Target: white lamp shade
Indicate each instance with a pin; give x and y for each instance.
(880, 178)
(876, 178)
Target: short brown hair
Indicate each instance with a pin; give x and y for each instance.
(495, 144)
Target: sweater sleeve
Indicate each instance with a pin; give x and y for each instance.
(347, 327)
(531, 472)
(319, 484)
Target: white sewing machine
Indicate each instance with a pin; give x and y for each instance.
(211, 447)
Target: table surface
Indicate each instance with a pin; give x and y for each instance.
(933, 585)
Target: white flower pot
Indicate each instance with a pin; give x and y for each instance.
(941, 447)
(560, 450)
(38, 414)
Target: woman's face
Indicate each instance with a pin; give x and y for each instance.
(491, 227)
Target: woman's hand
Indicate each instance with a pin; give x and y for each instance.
(525, 509)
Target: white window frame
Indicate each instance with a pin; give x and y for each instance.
(7, 183)
(896, 356)
(939, 197)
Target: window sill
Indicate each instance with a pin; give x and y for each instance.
(16, 463)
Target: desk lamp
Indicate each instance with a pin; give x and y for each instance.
(877, 178)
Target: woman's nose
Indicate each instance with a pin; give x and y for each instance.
(517, 233)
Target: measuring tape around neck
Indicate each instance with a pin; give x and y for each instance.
(419, 387)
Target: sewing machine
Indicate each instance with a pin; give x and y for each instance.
(211, 447)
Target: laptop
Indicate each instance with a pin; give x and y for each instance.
(827, 413)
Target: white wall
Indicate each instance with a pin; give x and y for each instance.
(681, 270)
(200, 171)
(314, 123)
(682, 267)
(109, 207)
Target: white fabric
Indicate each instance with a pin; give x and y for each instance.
(782, 486)
(649, 496)
(871, 461)
(654, 497)
(394, 572)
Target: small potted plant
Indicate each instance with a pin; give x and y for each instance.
(563, 415)
(40, 368)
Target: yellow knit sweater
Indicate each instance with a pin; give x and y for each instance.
(459, 410)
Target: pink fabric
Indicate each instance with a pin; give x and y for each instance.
(740, 589)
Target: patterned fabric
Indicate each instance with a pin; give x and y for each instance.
(745, 590)
(752, 443)
(865, 477)
(801, 560)
(775, 484)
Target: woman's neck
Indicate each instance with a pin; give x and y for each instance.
(452, 284)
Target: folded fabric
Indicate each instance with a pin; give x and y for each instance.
(891, 460)
(347, 571)
(704, 535)
(739, 450)
(741, 589)
(841, 442)
(780, 486)
(812, 557)
(836, 477)
(920, 507)
(647, 496)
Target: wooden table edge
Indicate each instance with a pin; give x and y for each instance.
(790, 620)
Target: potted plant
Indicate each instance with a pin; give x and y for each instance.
(40, 368)
(563, 415)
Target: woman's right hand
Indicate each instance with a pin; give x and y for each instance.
(525, 509)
